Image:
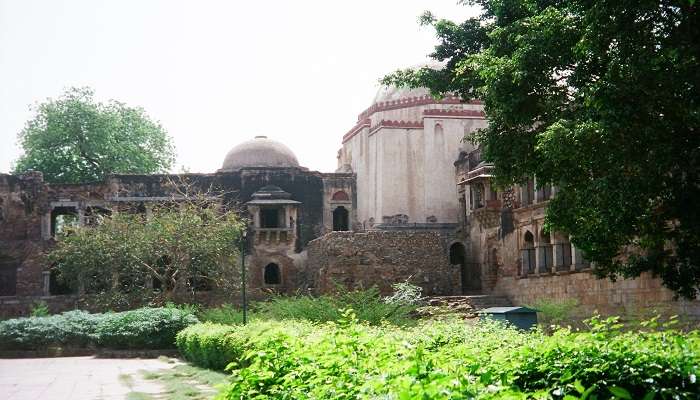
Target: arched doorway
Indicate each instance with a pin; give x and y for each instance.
(272, 275)
(340, 219)
(470, 275)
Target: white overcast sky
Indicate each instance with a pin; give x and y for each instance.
(214, 73)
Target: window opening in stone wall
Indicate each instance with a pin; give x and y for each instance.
(57, 285)
(341, 219)
(62, 219)
(563, 255)
(270, 218)
(340, 195)
(528, 254)
(546, 254)
(477, 194)
(272, 275)
(438, 129)
(470, 274)
(8, 276)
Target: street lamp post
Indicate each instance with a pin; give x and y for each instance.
(243, 281)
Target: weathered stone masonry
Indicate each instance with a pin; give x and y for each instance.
(381, 258)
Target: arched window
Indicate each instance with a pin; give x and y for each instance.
(340, 195)
(340, 219)
(528, 260)
(272, 275)
(438, 129)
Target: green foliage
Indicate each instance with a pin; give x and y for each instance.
(72, 328)
(368, 304)
(605, 361)
(39, 309)
(555, 312)
(210, 345)
(141, 328)
(149, 328)
(183, 248)
(74, 139)
(225, 314)
(352, 360)
(601, 100)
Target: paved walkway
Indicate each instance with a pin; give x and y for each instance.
(76, 378)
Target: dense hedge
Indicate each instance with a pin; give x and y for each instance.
(439, 360)
(144, 328)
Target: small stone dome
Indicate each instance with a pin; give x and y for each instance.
(259, 152)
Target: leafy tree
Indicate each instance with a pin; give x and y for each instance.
(183, 246)
(74, 139)
(600, 98)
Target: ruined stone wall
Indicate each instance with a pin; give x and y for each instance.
(498, 252)
(643, 297)
(22, 201)
(382, 258)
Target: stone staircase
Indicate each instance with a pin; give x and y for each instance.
(466, 305)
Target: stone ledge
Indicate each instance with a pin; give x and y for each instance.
(51, 352)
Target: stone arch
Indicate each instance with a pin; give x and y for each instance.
(470, 275)
(340, 195)
(545, 252)
(527, 256)
(341, 219)
(272, 275)
(438, 129)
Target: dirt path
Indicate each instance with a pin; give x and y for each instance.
(77, 378)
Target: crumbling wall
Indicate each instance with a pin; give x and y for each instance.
(382, 258)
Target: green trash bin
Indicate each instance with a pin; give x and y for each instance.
(521, 317)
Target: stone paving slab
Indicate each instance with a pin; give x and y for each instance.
(76, 378)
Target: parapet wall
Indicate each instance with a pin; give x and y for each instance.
(382, 258)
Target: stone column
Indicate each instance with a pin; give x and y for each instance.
(46, 279)
(558, 256)
(81, 216)
(46, 226)
(577, 260)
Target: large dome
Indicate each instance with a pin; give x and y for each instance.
(259, 152)
(393, 93)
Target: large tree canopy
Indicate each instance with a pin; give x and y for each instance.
(600, 98)
(74, 139)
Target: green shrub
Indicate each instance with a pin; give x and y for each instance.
(210, 345)
(555, 312)
(447, 359)
(641, 363)
(142, 328)
(72, 328)
(150, 328)
(368, 305)
(39, 309)
(226, 314)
